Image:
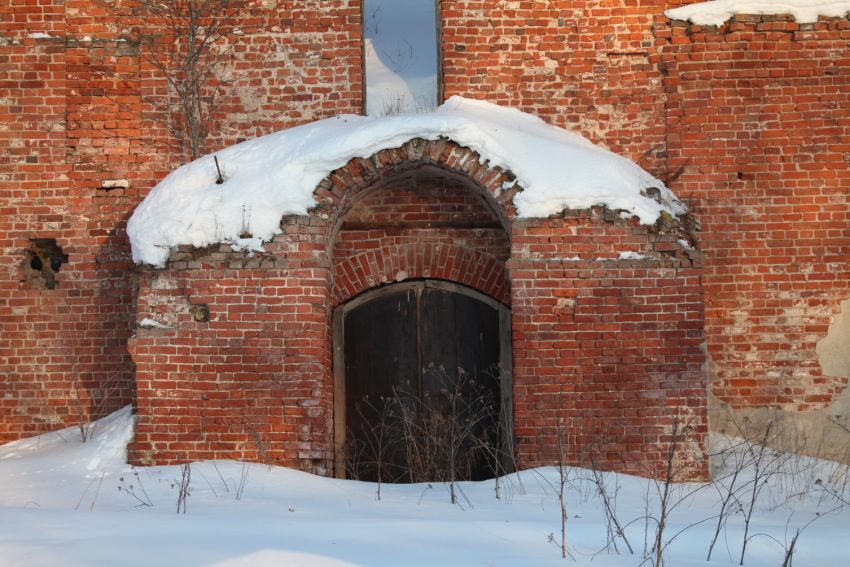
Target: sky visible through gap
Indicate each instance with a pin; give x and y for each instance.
(401, 56)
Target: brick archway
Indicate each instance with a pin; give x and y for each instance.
(390, 263)
(606, 318)
(428, 209)
(344, 187)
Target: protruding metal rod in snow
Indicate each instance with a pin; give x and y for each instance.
(220, 179)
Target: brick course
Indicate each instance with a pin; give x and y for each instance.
(252, 382)
(609, 349)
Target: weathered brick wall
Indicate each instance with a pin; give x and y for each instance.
(748, 123)
(422, 225)
(607, 346)
(64, 341)
(587, 64)
(252, 382)
(290, 62)
(85, 133)
(759, 131)
(31, 134)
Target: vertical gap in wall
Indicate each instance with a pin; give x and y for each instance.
(400, 52)
(363, 57)
(438, 10)
(663, 72)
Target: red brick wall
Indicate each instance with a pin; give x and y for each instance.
(587, 64)
(82, 106)
(64, 349)
(291, 62)
(748, 123)
(607, 349)
(759, 129)
(254, 381)
(424, 225)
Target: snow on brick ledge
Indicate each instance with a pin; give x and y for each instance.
(716, 12)
(275, 175)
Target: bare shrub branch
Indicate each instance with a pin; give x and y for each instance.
(183, 487)
(183, 42)
(448, 433)
(97, 402)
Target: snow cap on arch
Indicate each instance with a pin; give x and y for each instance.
(275, 175)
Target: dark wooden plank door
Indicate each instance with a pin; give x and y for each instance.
(459, 372)
(380, 347)
(427, 343)
(459, 333)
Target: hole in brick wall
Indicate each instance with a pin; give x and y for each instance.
(43, 260)
(200, 313)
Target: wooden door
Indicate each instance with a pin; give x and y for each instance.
(424, 356)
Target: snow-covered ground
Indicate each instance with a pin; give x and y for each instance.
(70, 503)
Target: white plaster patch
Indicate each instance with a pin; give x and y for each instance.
(149, 323)
(834, 349)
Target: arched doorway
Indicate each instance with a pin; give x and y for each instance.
(423, 387)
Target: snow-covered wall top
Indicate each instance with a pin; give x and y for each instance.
(716, 12)
(275, 175)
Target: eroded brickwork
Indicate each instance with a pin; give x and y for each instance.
(252, 381)
(69, 119)
(759, 129)
(587, 64)
(748, 123)
(421, 225)
(607, 323)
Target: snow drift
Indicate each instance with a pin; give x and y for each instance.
(717, 12)
(275, 175)
(65, 502)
